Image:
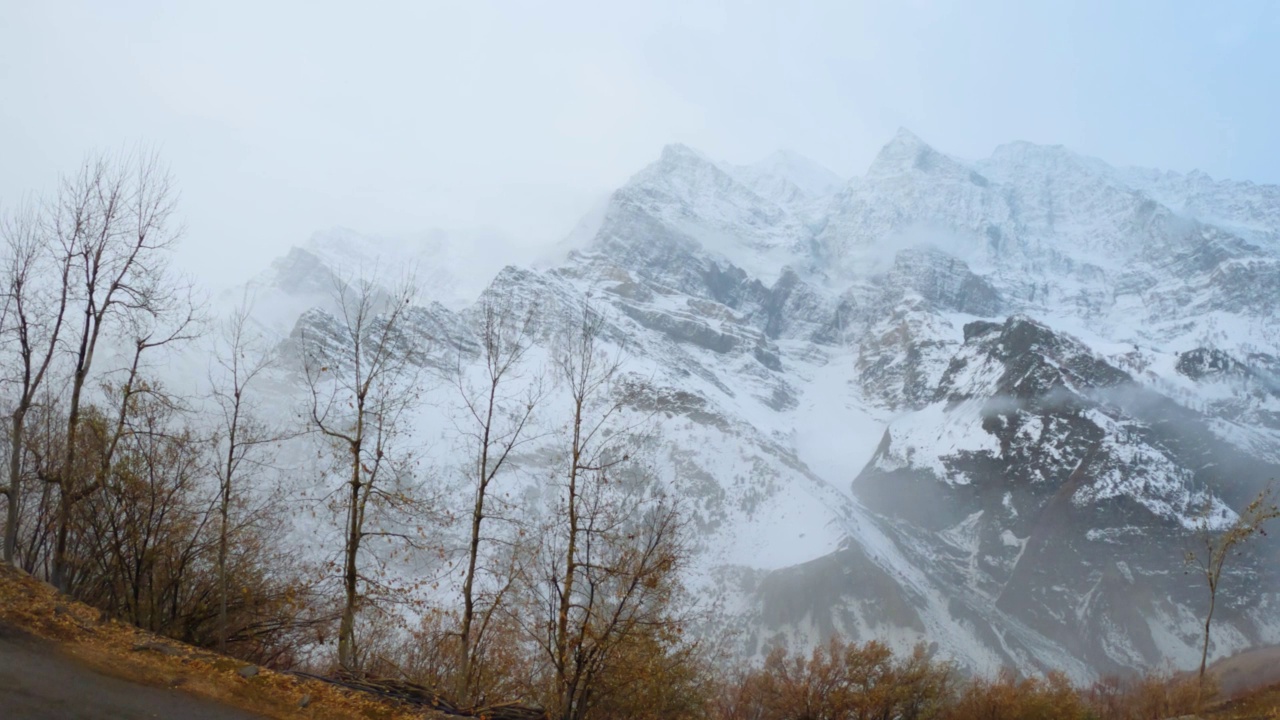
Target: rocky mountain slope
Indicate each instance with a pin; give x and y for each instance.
(983, 405)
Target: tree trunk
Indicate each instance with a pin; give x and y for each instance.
(1204, 652)
(571, 553)
(346, 629)
(468, 598)
(222, 531)
(59, 577)
(222, 574)
(477, 517)
(15, 486)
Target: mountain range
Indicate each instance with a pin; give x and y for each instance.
(982, 405)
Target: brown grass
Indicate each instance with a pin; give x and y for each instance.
(123, 651)
(1263, 704)
(1248, 670)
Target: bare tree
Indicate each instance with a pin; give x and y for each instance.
(158, 328)
(498, 422)
(241, 359)
(36, 283)
(1217, 548)
(587, 373)
(622, 621)
(598, 594)
(114, 223)
(361, 377)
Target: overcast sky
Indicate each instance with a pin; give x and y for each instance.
(281, 118)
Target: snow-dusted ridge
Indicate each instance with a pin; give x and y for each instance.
(977, 404)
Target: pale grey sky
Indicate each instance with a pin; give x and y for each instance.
(281, 118)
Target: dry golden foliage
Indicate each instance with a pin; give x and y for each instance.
(839, 681)
(851, 681)
(1010, 698)
(144, 546)
(1159, 694)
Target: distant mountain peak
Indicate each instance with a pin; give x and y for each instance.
(811, 177)
(905, 153)
(681, 153)
(299, 270)
(1021, 154)
(682, 165)
(786, 155)
(905, 136)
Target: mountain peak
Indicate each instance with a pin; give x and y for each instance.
(1011, 161)
(1025, 151)
(680, 153)
(904, 153)
(679, 166)
(677, 163)
(810, 176)
(904, 136)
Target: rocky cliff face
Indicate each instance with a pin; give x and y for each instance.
(983, 405)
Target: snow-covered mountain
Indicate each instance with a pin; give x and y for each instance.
(982, 405)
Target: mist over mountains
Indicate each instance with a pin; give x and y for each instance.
(977, 404)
